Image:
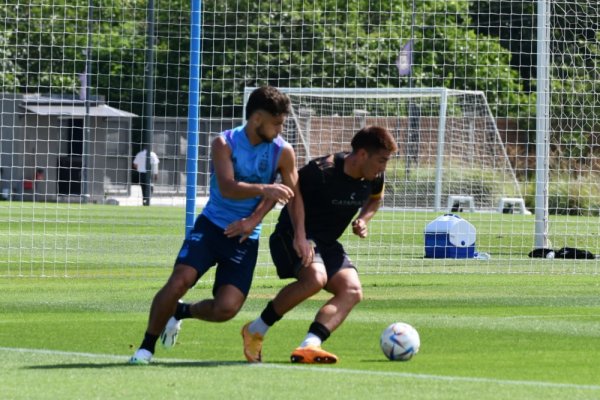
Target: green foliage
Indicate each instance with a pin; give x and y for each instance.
(575, 91)
(8, 67)
(47, 44)
(487, 186)
(575, 65)
(574, 145)
(452, 56)
(323, 43)
(570, 196)
(304, 44)
(320, 43)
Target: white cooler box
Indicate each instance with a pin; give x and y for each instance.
(449, 236)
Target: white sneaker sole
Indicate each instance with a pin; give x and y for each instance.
(138, 361)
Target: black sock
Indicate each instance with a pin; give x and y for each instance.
(269, 316)
(319, 330)
(183, 311)
(149, 342)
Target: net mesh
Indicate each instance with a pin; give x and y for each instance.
(84, 83)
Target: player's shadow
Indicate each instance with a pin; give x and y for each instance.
(186, 364)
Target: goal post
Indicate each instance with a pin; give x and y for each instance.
(449, 143)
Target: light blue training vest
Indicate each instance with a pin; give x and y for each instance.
(251, 164)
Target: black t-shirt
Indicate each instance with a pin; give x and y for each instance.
(331, 198)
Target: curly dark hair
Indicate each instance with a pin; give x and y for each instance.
(269, 99)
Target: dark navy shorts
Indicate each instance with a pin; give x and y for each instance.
(288, 264)
(207, 245)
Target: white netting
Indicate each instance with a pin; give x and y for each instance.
(85, 82)
(450, 147)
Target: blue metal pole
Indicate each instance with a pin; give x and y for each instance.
(193, 116)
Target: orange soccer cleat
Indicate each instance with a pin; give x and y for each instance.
(313, 355)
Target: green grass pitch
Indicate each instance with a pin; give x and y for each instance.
(484, 336)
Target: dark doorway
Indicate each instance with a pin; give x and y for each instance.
(69, 175)
(70, 164)
(75, 137)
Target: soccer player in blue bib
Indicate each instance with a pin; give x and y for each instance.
(333, 189)
(245, 163)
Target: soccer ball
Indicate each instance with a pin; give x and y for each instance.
(400, 341)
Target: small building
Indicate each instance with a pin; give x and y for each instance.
(63, 149)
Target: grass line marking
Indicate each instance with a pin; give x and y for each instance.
(510, 382)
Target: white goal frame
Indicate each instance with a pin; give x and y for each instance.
(398, 93)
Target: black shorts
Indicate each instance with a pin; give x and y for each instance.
(207, 245)
(288, 264)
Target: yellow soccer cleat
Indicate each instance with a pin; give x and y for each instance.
(252, 345)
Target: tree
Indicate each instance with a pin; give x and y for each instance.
(308, 44)
(575, 51)
(318, 43)
(46, 44)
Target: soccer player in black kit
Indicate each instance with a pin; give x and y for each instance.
(333, 188)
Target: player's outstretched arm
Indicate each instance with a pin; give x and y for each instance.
(230, 188)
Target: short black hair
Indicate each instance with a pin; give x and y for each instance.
(269, 99)
(373, 139)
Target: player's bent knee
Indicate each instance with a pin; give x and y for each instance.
(226, 309)
(354, 294)
(225, 313)
(314, 284)
(227, 303)
(182, 278)
(313, 279)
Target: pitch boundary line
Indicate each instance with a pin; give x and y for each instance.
(438, 377)
(334, 370)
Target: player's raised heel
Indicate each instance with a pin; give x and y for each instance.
(252, 345)
(313, 355)
(168, 337)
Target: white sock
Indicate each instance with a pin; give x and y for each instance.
(311, 340)
(258, 326)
